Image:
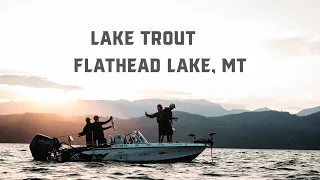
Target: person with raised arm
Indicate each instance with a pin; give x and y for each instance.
(98, 129)
(158, 115)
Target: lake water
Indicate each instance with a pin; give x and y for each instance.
(16, 162)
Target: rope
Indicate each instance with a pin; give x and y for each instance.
(66, 135)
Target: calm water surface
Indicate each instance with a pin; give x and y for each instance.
(16, 163)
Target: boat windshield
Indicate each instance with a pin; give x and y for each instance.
(141, 137)
(136, 137)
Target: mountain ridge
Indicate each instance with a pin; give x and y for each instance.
(266, 130)
(308, 111)
(126, 109)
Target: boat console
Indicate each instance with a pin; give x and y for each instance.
(132, 138)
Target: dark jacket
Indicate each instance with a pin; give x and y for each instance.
(158, 115)
(167, 116)
(87, 130)
(166, 122)
(98, 129)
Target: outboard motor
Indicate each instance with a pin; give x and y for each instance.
(42, 146)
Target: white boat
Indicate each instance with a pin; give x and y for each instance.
(132, 148)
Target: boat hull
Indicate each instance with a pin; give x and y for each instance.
(138, 153)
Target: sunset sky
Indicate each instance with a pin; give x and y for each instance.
(279, 39)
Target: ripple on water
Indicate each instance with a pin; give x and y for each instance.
(94, 165)
(73, 174)
(287, 163)
(212, 174)
(267, 168)
(314, 171)
(145, 165)
(36, 169)
(142, 177)
(16, 163)
(286, 169)
(118, 174)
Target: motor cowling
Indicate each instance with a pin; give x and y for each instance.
(42, 146)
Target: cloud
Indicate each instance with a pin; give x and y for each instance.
(295, 46)
(23, 93)
(34, 81)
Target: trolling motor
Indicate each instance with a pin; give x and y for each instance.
(211, 141)
(210, 138)
(208, 141)
(192, 136)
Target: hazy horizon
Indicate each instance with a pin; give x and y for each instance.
(279, 39)
(228, 107)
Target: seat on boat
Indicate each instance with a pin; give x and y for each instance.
(119, 139)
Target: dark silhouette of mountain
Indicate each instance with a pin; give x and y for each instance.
(267, 129)
(262, 109)
(306, 112)
(120, 108)
(237, 111)
(126, 109)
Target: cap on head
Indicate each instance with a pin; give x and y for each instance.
(88, 119)
(172, 105)
(96, 117)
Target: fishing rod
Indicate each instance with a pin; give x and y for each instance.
(67, 135)
(182, 127)
(201, 123)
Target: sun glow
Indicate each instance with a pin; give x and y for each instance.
(41, 94)
(50, 95)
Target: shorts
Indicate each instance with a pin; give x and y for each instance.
(166, 129)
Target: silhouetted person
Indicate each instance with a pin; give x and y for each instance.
(158, 115)
(166, 122)
(98, 129)
(88, 131)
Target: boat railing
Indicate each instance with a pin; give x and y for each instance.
(134, 137)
